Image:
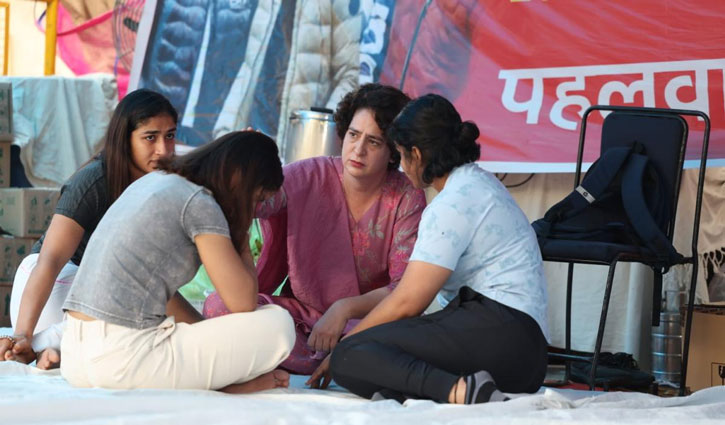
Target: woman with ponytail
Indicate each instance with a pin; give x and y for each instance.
(476, 253)
(141, 133)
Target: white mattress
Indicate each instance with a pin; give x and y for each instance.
(30, 396)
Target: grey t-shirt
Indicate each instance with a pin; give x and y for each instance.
(143, 250)
(83, 198)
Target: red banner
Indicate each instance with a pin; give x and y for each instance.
(525, 70)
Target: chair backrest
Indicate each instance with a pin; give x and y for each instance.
(664, 138)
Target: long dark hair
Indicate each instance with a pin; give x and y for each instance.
(432, 124)
(384, 101)
(232, 167)
(133, 111)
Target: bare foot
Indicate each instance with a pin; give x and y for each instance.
(277, 378)
(5, 346)
(48, 359)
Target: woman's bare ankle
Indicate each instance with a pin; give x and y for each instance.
(458, 392)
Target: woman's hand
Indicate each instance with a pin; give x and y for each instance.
(416, 290)
(20, 350)
(327, 331)
(320, 378)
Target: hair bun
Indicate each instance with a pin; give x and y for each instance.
(467, 135)
(468, 132)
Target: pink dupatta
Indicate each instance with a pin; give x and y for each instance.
(319, 273)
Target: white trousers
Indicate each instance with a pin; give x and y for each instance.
(49, 330)
(210, 354)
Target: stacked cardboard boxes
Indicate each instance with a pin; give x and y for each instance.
(4, 164)
(24, 213)
(5, 139)
(12, 252)
(6, 132)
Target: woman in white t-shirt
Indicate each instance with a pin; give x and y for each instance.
(476, 253)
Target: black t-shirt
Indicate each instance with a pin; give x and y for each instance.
(84, 198)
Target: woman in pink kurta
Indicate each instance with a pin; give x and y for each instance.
(341, 229)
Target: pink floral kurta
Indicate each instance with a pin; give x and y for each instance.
(328, 255)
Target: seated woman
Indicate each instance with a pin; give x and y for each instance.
(150, 242)
(341, 229)
(477, 252)
(141, 131)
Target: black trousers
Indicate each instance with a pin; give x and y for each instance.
(423, 357)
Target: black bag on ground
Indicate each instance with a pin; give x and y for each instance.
(619, 370)
(621, 201)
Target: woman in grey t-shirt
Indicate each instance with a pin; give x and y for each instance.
(151, 241)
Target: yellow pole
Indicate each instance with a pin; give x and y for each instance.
(6, 47)
(51, 31)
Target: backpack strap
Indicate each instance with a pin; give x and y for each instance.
(595, 183)
(639, 213)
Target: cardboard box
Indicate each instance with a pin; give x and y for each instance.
(4, 164)
(5, 306)
(6, 112)
(706, 364)
(12, 252)
(27, 212)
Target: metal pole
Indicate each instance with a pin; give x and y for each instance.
(412, 43)
(51, 33)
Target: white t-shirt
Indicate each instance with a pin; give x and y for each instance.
(475, 228)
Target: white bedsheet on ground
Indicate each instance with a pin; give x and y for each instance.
(30, 396)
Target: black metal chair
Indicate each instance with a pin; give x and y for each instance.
(663, 133)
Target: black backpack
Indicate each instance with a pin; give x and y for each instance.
(621, 200)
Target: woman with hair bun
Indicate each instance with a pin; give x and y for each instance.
(478, 254)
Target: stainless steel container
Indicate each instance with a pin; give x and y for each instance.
(309, 134)
(667, 348)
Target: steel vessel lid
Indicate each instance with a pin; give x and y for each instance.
(312, 115)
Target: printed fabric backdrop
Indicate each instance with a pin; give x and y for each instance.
(523, 70)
